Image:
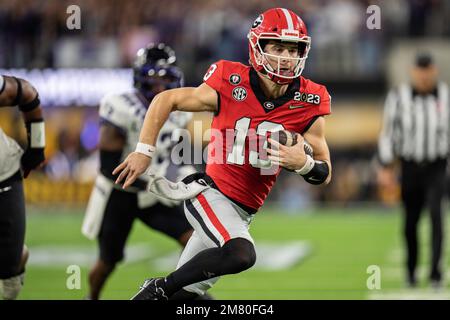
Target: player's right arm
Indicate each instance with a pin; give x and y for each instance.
(199, 99)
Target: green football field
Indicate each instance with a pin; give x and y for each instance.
(323, 254)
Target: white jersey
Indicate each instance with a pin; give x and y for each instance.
(127, 112)
(10, 151)
(10, 154)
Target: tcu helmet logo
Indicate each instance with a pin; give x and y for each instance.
(239, 94)
(235, 79)
(258, 21)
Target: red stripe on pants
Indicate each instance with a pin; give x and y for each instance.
(213, 218)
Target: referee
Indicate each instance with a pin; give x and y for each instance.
(416, 131)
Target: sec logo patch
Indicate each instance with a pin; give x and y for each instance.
(239, 94)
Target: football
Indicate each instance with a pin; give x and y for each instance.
(289, 138)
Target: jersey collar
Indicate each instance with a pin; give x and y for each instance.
(269, 104)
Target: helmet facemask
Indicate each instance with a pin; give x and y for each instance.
(155, 70)
(266, 60)
(152, 79)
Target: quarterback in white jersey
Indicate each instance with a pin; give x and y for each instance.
(15, 164)
(111, 210)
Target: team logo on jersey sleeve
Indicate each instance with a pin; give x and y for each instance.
(235, 79)
(239, 94)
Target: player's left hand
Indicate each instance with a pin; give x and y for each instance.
(32, 159)
(291, 158)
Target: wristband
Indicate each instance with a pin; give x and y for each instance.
(309, 164)
(318, 174)
(37, 134)
(145, 149)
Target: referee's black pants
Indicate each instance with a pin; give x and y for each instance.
(423, 184)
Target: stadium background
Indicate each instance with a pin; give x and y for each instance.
(323, 238)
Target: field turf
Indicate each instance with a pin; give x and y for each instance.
(344, 243)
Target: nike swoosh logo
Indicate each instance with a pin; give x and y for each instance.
(295, 107)
(5, 189)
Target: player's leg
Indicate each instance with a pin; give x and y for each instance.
(196, 291)
(116, 225)
(223, 227)
(24, 258)
(436, 188)
(13, 253)
(172, 221)
(413, 198)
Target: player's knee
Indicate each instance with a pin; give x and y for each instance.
(110, 257)
(240, 253)
(101, 269)
(184, 238)
(8, 271)
(24, 258)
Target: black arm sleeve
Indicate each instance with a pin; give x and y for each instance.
(30, 106)
(318, 173)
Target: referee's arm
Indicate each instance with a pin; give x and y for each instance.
(386, 141)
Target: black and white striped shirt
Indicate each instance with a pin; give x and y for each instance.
(415, 126)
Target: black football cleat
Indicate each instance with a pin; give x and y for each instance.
(150, 290)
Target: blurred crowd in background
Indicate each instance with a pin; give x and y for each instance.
(201, 31)
(346, 56)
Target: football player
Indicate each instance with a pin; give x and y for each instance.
(250, 101)
(111, 211)
(16, 164)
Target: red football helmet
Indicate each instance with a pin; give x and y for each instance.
(278, 24)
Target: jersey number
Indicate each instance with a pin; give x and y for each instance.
(210, 72)
(241, 128)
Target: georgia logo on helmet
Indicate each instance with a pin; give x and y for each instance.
(284, 25)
